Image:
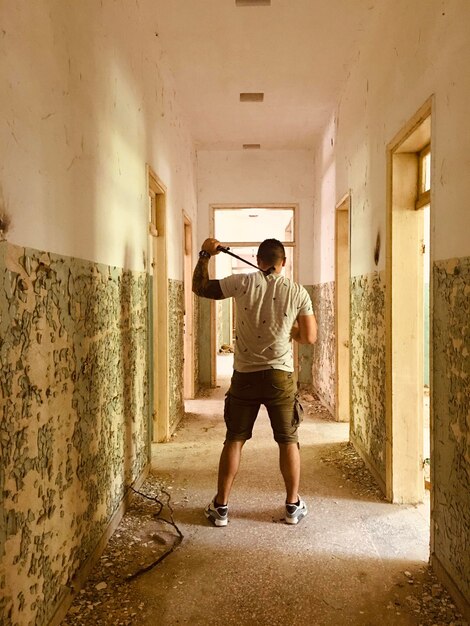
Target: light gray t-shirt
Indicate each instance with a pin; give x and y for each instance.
(266, 309)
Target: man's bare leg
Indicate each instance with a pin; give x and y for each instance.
(228, 468)
(289, 462)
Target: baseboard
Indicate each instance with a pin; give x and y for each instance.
(83, 573)
(459, 599)
(370, 466)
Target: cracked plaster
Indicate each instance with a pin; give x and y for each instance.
(323, 358)
(74, 416)
(451, 418)
(367, 331)
(176, 350)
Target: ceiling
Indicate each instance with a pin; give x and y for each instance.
(297, 52)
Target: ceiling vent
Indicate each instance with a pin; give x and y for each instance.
(253, 3)
(251, 146)
(251, 97)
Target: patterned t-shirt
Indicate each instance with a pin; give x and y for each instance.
(266, 309)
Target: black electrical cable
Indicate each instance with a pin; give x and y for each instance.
(170, 522)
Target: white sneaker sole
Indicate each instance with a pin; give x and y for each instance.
(296, 520)
(217, 522)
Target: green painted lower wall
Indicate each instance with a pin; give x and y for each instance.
(450, 389)
(323, 353)
(204, 342)
(73, 419)
(367, 351)
(176, 351)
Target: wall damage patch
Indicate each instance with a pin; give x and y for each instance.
(323, 358)
(74, 416)
(176, 351)
(368, 366)
(450, 390)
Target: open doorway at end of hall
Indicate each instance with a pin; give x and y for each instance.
(409, 254)
(243, 228)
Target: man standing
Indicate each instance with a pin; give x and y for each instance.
(271, 312)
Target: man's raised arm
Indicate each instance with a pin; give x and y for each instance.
(305, 329)
(202, 284)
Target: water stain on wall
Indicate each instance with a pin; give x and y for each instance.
(324, 359)
(368, 427)
(451, 418)
(74, 417)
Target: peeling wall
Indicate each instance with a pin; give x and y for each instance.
(451, 418)
(74, 417)
(196, 317)
(176, 352)
(203, 342)
(305, 353)
(367, 350)
(323, 358)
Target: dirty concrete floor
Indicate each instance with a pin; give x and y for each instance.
(355, 559)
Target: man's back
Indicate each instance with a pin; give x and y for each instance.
(267, 307)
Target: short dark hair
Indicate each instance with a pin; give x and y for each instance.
(271, 251)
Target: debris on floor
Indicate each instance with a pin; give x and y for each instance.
(226, 349)
(313, 406)
(427, 599)
(144, 537)
(111, 597)
(353, 469)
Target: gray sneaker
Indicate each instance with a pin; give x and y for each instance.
(296, 512)
(217, 515)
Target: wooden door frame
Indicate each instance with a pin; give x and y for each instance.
(160, 367)
(342, 311)
(188, 375)
(403, 314)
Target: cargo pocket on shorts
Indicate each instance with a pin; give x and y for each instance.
(227, 409)
(298, 411)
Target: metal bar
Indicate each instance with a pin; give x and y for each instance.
(227, 251)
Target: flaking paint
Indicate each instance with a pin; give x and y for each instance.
(451, 418)
(73, 429)
(367, 349)
(323, 358)
(176, 350)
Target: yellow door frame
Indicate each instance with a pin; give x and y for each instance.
(160, 367)
(404, 313)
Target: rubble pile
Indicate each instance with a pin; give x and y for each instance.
(353, 469)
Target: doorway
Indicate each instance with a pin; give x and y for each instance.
(159, 365)
(188, 380)
(407, 309)
(242, 228)
(342, 305)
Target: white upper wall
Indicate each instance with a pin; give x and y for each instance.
(416, 50)
(87, 101)
(260, 177)
(324, 208)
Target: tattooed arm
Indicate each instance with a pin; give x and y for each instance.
(202, 284)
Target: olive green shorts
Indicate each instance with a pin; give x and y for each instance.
(277, 390)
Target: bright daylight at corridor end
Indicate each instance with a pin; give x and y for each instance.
(134, 134)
